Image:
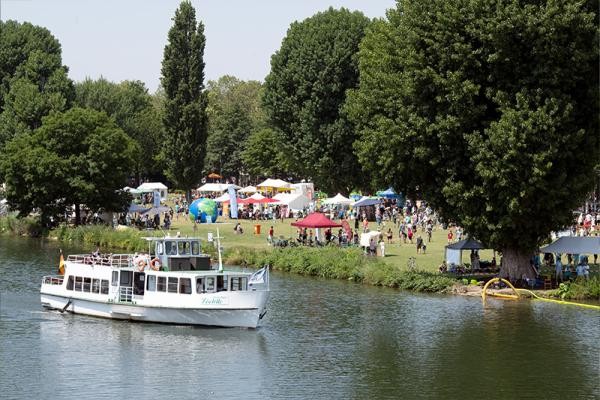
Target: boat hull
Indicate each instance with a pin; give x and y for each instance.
(205, 316)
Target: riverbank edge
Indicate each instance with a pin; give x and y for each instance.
(329, 262)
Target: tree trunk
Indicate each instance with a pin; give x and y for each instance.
(77, 215)
(516, 264)
(188, 196)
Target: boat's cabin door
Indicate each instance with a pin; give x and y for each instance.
(139, 279)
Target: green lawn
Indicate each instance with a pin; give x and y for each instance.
(397, 253)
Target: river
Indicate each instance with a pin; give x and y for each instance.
(320, 339)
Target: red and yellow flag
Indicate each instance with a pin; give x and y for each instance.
(61, 265)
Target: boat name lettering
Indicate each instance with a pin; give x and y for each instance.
(214, 301)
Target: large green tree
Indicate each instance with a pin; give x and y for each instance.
(135, 111)
(262, 155)
(234, 112)
(305, 92)
(489, 110)
(185, 102)
(33, 81)
(77, 157)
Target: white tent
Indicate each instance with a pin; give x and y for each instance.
(273, 184)
(216, 187)
(222, 198)
(338, 199)
(151, 187)
(294, 201)
(248, 189)
(365, 238)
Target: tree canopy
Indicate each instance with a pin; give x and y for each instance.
(184, 119)
(33, 81)
(305, 92)
(234, 112)
(487, 110)
(77, 157)
(134, 111)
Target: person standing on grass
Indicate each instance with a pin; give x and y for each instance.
(389, 235)
(271, 233)
(419, 244)
(450, 236)
(558, 269)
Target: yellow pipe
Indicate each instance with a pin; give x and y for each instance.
(592, 306)
(508, 296)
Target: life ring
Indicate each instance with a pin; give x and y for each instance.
(141, 264)
(155, 264)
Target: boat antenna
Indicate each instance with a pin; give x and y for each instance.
(219, 251)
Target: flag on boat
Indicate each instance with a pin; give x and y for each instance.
(61, 264)
(259, 276)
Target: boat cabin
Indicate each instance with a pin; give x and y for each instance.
(180, 254)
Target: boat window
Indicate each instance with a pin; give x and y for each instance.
(184, 247)
(161, 284)
(171, 248)
(172, 285)
(238, 283)
(125, 278)
(159, 248)
(151, 285)
(95, 285)
(115, 278)
(221, 283)
(104, 286)
(78, 283)
(199, 285)
(209, 285)
(87, 284)
(185, 286)
(70, 283)
(195, 248)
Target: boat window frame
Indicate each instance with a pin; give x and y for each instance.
(78, 284)
(159, 248)
(210, 288)
(200, 285)
(87, 284)
(115, 278)
(195, 247)
(151, 283)
(70, 283)
(185, 286)
(169, 246)
(183, 247)
(172, 284)
(104, 286)
(161, 284)
(96, 285)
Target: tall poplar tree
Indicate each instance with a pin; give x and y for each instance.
(185, 100)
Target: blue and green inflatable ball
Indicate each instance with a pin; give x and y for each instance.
(202, 209)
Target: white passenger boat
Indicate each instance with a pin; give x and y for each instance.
(172, 283)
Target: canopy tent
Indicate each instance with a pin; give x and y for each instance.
(248, 189)
(366, 201)
(355, 196)
(136, 208)
(132, 190)
(155, 210)
(316, 220)
(216, 187)
(222, 198)
(151, 187)
(274, 185)
(389, 193)
(454, 251)
(365, 238)
(294, 201)
(258, 198)
(338, 199)
(574, 245)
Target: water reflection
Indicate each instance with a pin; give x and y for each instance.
(320, 339)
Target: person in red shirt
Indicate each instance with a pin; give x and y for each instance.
(450, 236)
(271, 233)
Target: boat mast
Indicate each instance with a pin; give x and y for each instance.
(219, 251)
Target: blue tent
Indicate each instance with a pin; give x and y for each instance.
(366, 201)
(136, 208)
(389, 193)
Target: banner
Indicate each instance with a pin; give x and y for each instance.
(233, 206)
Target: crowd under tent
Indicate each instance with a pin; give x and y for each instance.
(454, 250)
(574, 245)
(216, 187)
(338, 199)
(151, 187)
(294, 201)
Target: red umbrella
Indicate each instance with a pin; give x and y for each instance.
(316, 220)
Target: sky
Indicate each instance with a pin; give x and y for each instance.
(124, 39)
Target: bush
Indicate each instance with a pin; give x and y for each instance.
(579, 289)
(103, 236)
(339, 263)
(28, 226)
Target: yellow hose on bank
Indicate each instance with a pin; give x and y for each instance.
(535, 296)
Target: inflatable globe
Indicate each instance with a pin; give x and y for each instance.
(201, 209)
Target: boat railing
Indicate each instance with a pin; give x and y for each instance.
(126, 294)
(52, 280)
(109, 260)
